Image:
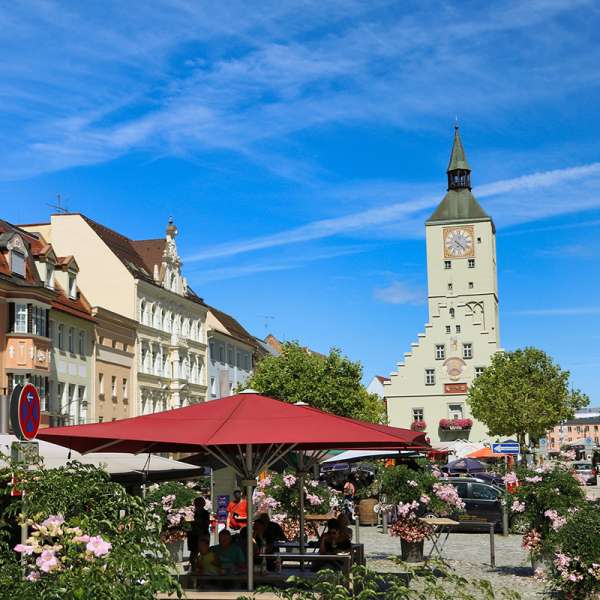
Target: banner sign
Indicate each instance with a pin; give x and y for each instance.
(25, 411)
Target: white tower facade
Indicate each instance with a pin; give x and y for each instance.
(429, 389)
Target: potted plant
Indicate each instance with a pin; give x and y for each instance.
(172, 504)
(456, 424)
(419, 425)
(416, 494)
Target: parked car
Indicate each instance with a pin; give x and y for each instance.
(586, 471)
(482, 502)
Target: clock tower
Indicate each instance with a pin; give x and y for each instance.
(430, 386)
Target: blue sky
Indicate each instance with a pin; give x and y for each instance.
(301, 145)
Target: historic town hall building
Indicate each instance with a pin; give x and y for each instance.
(429, 389)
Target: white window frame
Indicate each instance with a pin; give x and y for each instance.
(447, 265)
(18, 266)
(429, 376)
(440, 351)
(418, 414)
(467, 350)
(452, 412)
(471, 263)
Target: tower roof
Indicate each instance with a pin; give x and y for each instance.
(458, 158)
(459, 204)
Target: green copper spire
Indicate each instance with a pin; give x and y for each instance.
(458, 158)
(459, 205)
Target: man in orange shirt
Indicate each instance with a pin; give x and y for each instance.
(237, 512)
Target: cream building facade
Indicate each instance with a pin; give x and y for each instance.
(137, 281)
(429, 388)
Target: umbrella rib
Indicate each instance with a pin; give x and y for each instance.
(277, 455)
(103, 446)
(222, 458)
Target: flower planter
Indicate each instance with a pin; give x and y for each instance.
(412, 552)
(176, 550)
(366, 511)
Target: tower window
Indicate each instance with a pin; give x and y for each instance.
(470, 285)
(479, 240)
(471, 263)
(418, 414)
(467, 350)
(458, 329)
(448, 329)
(449, 287)
(452, 313)
(440, 351)
(479, 371)
(429, 376)
(447, 264)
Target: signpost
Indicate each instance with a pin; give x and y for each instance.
(505, 448)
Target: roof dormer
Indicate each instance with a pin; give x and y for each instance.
(16, 252)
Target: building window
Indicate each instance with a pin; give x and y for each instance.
(471, 263)
(449, 287)
(429, 376)
(124, 389)
(448, 329)
(455, 411)
(447, 264)
(230, 356)
(458, 329)
(418, 414)
(113, 387)
(17, 263)
(71, 340)
(81, 343)
(221, 354)
(72, 286)
(51, 330)
(100, 419)
(470, 285)
(49, 276)
(213, 387)
(452, 313)
(479, 240)
(61, 336)
(467, 350)
(479, 371)
(21, 318)
(440, 351)
(38, 321)
(101, 385)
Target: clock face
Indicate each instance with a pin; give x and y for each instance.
(458, 242)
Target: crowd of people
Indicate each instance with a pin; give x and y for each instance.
(229, 556)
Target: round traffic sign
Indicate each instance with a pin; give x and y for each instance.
(25, 411)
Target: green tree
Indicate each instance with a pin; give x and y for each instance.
(331, 383)
(523, 393)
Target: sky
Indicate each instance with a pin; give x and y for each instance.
(300, 146)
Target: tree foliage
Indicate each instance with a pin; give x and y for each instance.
(524, 393)
(331, 383)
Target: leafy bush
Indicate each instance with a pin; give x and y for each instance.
(576, 562)
(172, 503)
(136, 566)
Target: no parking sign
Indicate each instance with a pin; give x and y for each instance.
(25, 411)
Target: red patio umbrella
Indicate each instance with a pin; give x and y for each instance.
(248, 432)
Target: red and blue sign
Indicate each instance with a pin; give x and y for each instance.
(25, 411)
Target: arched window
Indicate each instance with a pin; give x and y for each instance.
(452, 313)
(142, 311)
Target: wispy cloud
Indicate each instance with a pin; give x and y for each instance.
(405, 218)
(399, 293)
(182, 78)
(235, 271)
(572, 311)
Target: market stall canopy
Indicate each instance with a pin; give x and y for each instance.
(485, 453)
(358, 455)
(122, 467)
(245, 418)
(464, 465)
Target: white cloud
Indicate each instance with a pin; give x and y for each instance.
(399, 293)
(571, 311)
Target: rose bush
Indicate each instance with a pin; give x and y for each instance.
(89, 539)
(172, 504)
(416, 494)
(279, 495)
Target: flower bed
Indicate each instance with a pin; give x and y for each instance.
(456, 424)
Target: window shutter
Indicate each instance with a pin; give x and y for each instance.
(30, 318)
(11, 316)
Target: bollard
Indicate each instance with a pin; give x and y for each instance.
(357, 528)
(504, 520)
(492, 546)
(384, 522)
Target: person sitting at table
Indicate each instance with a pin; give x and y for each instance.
(199, 528)
(207, 562)
(273, 532)
(241, 540)
(229, 555)
(237, 512)
(332, 542)
(345, 530)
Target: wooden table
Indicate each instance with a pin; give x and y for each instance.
(302, 557)
(318, 521)
(358, 550)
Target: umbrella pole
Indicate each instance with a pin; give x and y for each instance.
(250, 526)
(301, 484)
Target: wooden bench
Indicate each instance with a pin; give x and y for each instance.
(302, 557)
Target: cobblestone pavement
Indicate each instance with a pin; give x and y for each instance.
(469, 555)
